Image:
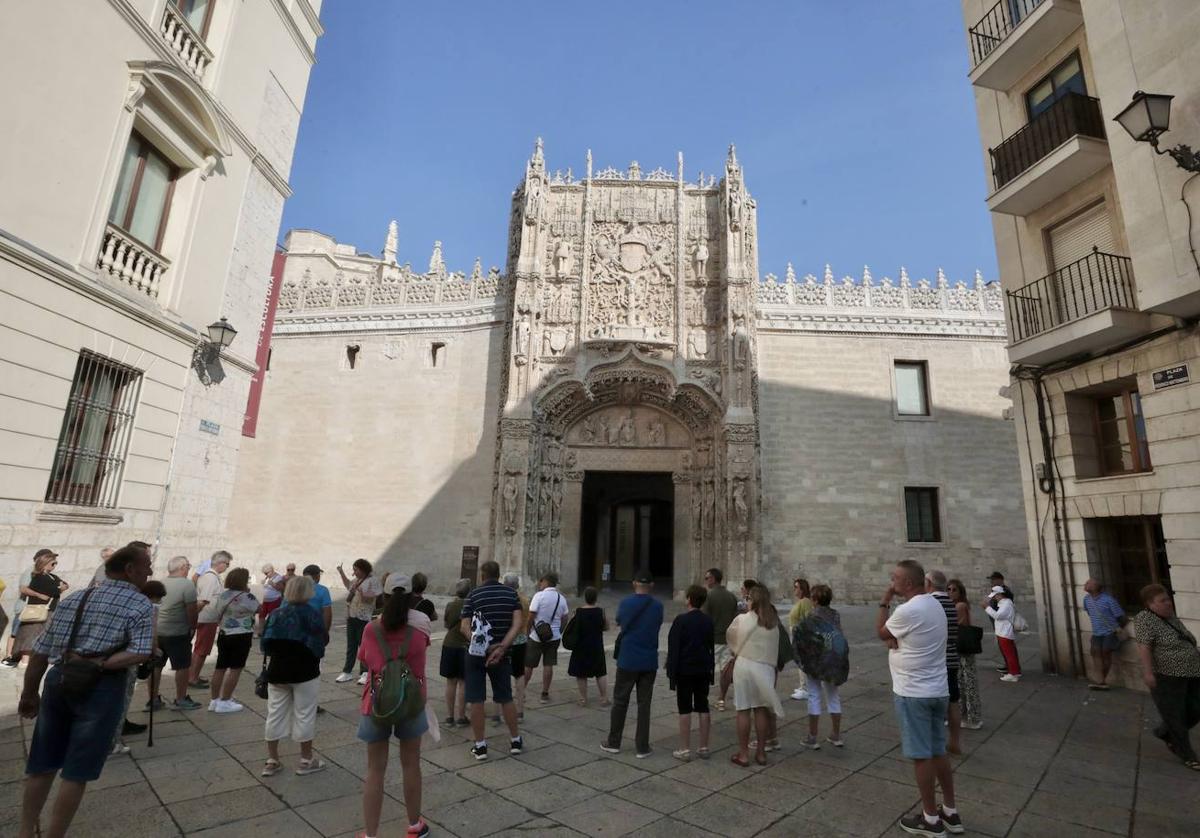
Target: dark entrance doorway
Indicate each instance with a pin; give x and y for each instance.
(627, 525)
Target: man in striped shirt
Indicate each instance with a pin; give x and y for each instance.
(491, 619)
(74, 732)
(935, 585)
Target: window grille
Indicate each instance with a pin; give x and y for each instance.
(921, 514)
(96, 428)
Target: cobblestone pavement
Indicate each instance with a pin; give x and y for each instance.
(1052, 759)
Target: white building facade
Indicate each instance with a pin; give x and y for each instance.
(145, 158)
(1096, 238)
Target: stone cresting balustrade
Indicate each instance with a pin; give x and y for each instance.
(184, 40)
(885, 306)
(390, 286)
(127, 261)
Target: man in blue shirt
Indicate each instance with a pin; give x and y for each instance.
(640, 617)
(321, 601)
(1107, 616)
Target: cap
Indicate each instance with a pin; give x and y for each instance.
(399, 580)
(311, 569)
(997, 590)
(643, 578)
(996, 575)
(45, 551)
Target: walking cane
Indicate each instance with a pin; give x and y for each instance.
(153, 700)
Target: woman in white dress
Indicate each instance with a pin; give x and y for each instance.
(754, 641)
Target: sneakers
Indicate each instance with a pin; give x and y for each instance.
(545, 698)
(129, 728)
(1012, 679)
(9, 663)
(972, 725)
(1003, 670)
(230, 706)
(185, 703)
(310, 766)
(479, 751)
(119, 749)
(800, 694)
(448, 721)
(811, 743)
(837, 743)
(644, 754)
(683, 754)
(362, 679)
(953, 823)
(609, 749)
(420, 829)
(516, 746)
(917, 825)
(199, 683)
(344, 678)
(156, 704)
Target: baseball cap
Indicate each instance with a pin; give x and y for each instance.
(399, 580)
(997, 590)
(311, 569)
(643, 578)
(45, 551)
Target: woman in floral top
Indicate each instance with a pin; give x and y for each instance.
(236, 609)
(361, 593)
(1171, 669)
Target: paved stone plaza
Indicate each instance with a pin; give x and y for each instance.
(1053, 759)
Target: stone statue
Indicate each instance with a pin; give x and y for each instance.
(510, 503)
(608, 431)
(562, 262)
(741, 509)
(587, 433)
(697, 510)
(627, 433)
(701, 259)
(522, 337)
(556, 499)
(656, 432)
(741, 343)
(547, 500)
(533, 199)
(710, 500)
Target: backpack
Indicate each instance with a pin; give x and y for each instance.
(821, 649)
(395, 692)
(481, 635)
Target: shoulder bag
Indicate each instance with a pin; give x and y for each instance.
(970, 640)
(544, 628)
(621, 633)
(79, 674)
(727, 670)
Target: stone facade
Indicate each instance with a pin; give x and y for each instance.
(219, 98)
(408, 414)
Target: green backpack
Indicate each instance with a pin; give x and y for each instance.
(395, 692)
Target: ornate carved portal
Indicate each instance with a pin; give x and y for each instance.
(631, 348)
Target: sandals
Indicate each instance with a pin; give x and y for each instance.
(683, 754)
(720, 704)
(703, 753)
(739, 760)
(270, 768)
(311, 766)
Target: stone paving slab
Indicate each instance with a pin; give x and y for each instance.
(1053, 759)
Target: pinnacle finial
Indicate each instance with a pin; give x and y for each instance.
(731, 162)
(978, 277)
(537, 149)
(389, 245)
(866, 275)
(679, 160)
(436, 264)
(790, 276)
(828, 272)
(903, 275)
(589, 164)
(477, 271)
(941, 277)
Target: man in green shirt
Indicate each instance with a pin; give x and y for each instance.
(722, 607)
(176, 621)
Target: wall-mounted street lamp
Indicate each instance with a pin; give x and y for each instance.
(1146, 118)
(206, 357)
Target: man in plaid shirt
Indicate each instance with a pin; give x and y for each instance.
(73, 734)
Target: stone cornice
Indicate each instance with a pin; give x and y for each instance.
(395, 320)
(849, 321)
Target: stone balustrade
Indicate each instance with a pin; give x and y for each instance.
(125, 260)
(188, 45)
(978, 297)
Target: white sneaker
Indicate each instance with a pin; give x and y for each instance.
(1012, 679)
(800, 694)
(362, 679)
(344, 678)
(230, 706)
(214, 704)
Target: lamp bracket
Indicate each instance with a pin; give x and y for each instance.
(1184, 157)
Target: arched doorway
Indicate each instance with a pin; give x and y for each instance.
(627, 527)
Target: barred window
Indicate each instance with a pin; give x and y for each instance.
(921, 514)
(95, 433)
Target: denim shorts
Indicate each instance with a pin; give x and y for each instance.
(500, 675)
(178, 649)
(922, 725)
(1106, 642)
(75, 735)
(370, 731)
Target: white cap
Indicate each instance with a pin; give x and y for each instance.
(996, 589)
(399, 580)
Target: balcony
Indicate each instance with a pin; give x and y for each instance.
(1014, 35)
(1085, 306)
(127, 261)
(182, 38)
(1060, 148)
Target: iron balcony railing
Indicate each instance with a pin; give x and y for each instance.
(1096, 282)
(996, 25)
(1072, 115)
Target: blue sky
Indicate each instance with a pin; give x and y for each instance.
(854, 121)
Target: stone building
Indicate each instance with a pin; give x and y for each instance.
(1097, 250)
(630, 395)
(144, 158)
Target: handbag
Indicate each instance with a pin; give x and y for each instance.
(570, 635)
(260, 680)
(727, 670)
(621, 633)
(970, 640)
(35, 612)
(543, 629)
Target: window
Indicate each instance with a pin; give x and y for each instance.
(95, 433)
(921, 514)
(143, 193)
(198, 14)
(351, 355)
(1126, 554)
(1073, 239)
(436, 355)
(912, 389)
(1066, 78)
(1121, 433)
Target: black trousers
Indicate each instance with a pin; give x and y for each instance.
(626, 681)
(1178, 702)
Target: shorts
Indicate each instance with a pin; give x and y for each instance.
(206, 633)
(178, 649)
(233, 649)
(370, 731)
(266, 608)
(691, 694)
(500, 675)
(721, 655)
(922, 726)
(452, 663)
(538, 652)
(517, 653)
(1106, 642)
(75, 735)
(952, 677)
